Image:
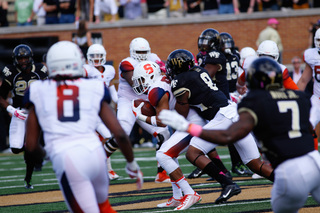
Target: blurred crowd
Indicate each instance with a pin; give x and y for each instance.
(40, 12)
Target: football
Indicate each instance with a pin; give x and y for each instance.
(147, 109)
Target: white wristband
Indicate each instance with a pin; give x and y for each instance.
(154, 120)
(133, 166)
(11, 109)
(142, 117)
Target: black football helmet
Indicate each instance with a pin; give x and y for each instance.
(179, 61)
(264, 73)
(226, 41)
(209, 40)
(22, 51)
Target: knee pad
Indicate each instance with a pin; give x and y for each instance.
(166, 162)
(111, 145)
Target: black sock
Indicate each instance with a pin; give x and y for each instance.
(214, 171)
(219, 164)
(234, 155)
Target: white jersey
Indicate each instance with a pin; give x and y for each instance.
(128, 64)
(160, 88)
(312, 57)
(68, 112)
(107, 75)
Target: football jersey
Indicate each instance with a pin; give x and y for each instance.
(281, 122)
(107, 75)
(18, 81)
(160, 88)
(127, 65)
(232, 64)
(68, 111)
(312, 57)
(204, 96)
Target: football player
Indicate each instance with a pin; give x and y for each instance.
(279, 119)
(147, 78)
(17, 77)
(77, 155)
(139, 51)
(96, 68)
(312, 59)
(193, 88)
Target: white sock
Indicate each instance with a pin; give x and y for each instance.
(109, 164)
(176, 190)
(185, 187)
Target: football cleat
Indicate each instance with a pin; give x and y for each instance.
(256, 176)
(28, 185)
(172, 202)
(195, 174)
(227, 192)
(112, 175)
(162, 177)
(241, 170)
(188, 201)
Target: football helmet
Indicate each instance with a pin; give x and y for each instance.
(227, 43)
(246, 52)
(264, 73)
(209, 40)
(317, 39)
(19, 52)
(65, 59)
(144, 75)
(179, 61)
(139, 49)
(96, 55)
(268, 48)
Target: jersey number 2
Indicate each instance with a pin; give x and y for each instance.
(284, 106)
(68, 103)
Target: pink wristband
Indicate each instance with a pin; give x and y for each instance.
(195, 130)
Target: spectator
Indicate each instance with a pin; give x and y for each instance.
(3, 14)
(296, 73)
(144, 8)
(102, 7)
(268, 5)
(300, 4)
(246, 6)
(271, 33)
(40, 12)
(51, 8)
(131, 9)
(228, 7)
(192, 7)
(85, 10)
(83, 37)
(175, 7)
(24, 12)
(210, 7)
(67, 10)
(156, 9)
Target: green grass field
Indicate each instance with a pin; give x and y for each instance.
(12, 171)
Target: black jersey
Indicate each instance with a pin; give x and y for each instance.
(232, 64)
(204, 96)
(281, 122)
(18, 81)
(220, 78)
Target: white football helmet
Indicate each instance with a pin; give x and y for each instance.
(268, 48)
(96, 55)
(246, 52)
(144, 75)
(139, 49)
(65, 58)
(317, 39)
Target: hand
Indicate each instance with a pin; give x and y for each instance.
(173, 119)
(17, 112)
(162, 66)
(133, 170)
(137, 110)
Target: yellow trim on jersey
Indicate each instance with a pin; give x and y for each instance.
(252, 113)
(181, 91)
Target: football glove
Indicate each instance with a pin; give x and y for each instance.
(17, 112)
(137, 112)
(173, 119)
(134, 172)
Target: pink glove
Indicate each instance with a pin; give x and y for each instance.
(162, 66)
